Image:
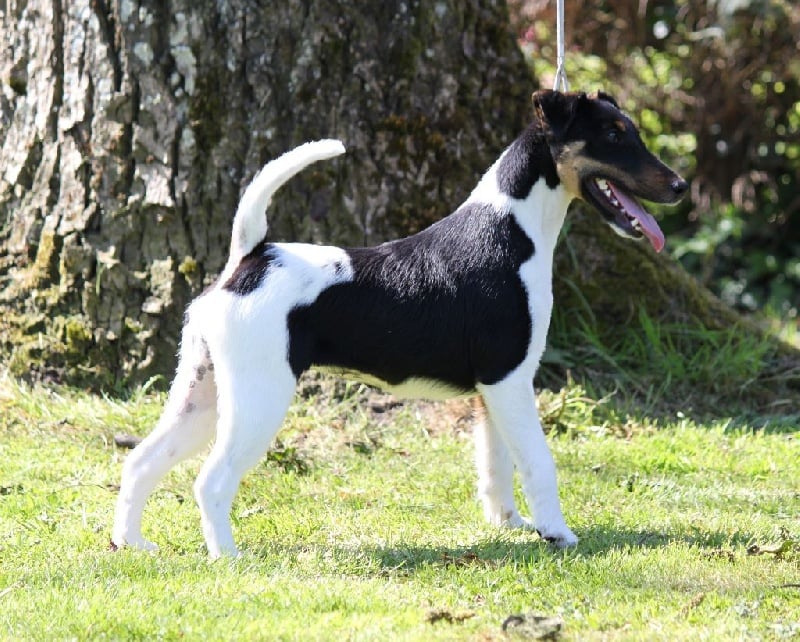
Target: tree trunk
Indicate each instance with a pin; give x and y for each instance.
(129, 130)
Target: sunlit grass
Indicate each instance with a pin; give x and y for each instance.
(687, 531)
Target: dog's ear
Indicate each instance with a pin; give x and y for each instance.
(604, 96)
(557, 110)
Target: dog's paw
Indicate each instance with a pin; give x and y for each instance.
(504, 518)
(138, 543)
(518, 521)
(223, 554)
(559, 536)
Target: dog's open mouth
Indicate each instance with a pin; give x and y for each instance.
(624, 212)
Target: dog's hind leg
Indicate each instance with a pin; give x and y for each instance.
(495, 473)
(512, 410)
(186, 425)
(252, 404)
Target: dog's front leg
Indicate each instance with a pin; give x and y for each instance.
(511, 405)
(495, 474)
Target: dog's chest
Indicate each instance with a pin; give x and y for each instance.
(536, 275)
(541, 216)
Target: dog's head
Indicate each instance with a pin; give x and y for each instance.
(601, 158)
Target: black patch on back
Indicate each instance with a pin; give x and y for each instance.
(446, 304)
(252, 269)
(528, 158)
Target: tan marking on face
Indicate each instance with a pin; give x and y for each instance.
(568, 166)
(573, 166)
(620, 125)
(650, 183)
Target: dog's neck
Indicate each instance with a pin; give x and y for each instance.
(541, 215)
(524, 183)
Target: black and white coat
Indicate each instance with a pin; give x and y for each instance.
(460, 308)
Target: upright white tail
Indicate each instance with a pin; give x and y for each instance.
(250, 222)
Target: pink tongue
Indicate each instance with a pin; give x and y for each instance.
(648, 224)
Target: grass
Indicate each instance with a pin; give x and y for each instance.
(660, 368)
(363, 525)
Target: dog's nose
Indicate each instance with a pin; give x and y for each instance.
(679, 186)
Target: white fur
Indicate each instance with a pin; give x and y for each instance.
(487, 191)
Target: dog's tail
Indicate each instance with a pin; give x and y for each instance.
(250, 222)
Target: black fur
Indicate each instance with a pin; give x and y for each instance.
(528, 158)
(609, 135)
(446, 304)
(252, 269)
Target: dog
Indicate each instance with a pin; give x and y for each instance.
(461, 308)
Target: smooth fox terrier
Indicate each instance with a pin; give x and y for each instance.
(461, 308)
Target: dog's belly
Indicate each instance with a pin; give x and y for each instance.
(411, 388)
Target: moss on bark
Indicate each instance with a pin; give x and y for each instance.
(628, 318)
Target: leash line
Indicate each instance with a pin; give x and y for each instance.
(560, 82)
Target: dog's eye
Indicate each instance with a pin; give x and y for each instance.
(613, 136)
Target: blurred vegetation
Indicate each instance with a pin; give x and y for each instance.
(715, 87)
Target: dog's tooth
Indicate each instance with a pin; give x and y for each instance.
(609, 194)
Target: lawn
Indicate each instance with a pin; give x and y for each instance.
(362, 524)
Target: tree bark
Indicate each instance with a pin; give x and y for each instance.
(129, 130)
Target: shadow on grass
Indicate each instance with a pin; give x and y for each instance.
(599, 540)
(595, 542)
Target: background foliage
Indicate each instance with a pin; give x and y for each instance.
(715, 87)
